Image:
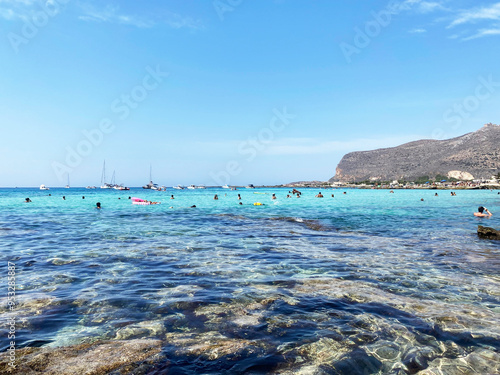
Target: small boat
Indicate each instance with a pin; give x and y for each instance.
(191, 187)
(178, 187)
(90, 187)
(67, 186)
(120, 187)
(250, 186)
(201, 187)
(226, 187)
(43, 187)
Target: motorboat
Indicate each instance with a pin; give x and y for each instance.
(43, 187)
(178, 187)
(191, 187)
(226, 187)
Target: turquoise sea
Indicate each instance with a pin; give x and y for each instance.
(366, 282)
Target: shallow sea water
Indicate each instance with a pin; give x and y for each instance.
(366, 282)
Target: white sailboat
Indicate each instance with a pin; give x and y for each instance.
(104, 184)
(67, 186)
(151, 185)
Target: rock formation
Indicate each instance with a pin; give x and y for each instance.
(473, 155)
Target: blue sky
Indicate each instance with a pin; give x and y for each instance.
(235, 91)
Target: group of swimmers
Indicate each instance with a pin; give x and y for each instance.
(481, 211)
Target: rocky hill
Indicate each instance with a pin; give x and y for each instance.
(473, 155)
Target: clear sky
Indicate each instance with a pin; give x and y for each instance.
(236, 91)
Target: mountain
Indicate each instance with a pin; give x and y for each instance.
(473, 155)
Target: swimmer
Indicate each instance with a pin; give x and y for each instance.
(27, 200)
(241, 204)
(319, 195)
(216, 197)
(333, 196)
(64, 198)
(345, 192)
(83, 197)
(288, 196)
(129, 197)
(436, 194)
(392, 192)
(98, 205)
(274, 196)
(421, 199)
(239, 197)
(172, 197)
(480, 212)
(193, 206)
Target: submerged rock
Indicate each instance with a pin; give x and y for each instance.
(89, 359)
(486, 232)
(210, 345)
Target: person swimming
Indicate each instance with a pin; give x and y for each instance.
(83, 197)
(98, 205)
(64, 198)
(319, 195)
(274, 196)
(239, 197)
(481, 212)
(216, 197)
(27, 200)
(172, 197)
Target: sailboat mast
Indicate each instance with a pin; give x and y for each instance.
(103, 176)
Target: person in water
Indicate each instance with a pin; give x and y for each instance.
(274, 196)
(172, 197)
(27, 200)
(319, 195)
(64, 198)
(481, 212)
(83, 197)
(98, 205)
(239, 197)
(216, 197)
